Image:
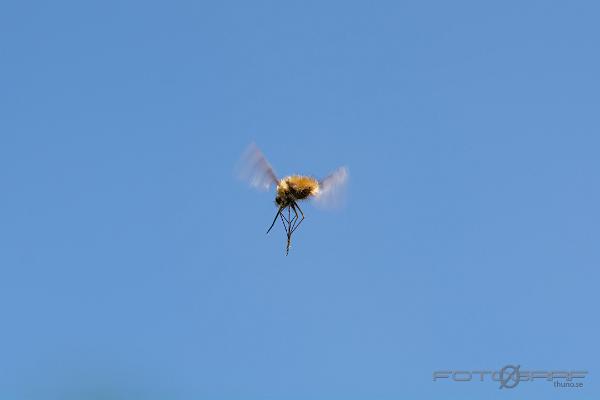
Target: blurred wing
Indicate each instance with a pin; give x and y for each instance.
(254, 168)
(332, 189)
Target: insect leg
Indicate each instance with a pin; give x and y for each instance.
(291, 220)
(295, 205)
(295, 219)
(284, 221)
(275, 219)
(291, 227)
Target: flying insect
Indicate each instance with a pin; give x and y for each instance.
(257, 171)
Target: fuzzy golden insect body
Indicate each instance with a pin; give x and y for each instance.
(295, 187)
(255, 169)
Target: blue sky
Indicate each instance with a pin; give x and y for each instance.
(133, 264)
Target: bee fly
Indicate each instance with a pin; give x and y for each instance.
(256, 170)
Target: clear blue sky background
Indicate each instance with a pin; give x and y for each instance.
(133, 265)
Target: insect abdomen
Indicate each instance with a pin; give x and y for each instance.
(301, 187)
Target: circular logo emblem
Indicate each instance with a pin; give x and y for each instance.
(509, 376)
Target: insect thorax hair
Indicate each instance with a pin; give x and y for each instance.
(295, 187)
